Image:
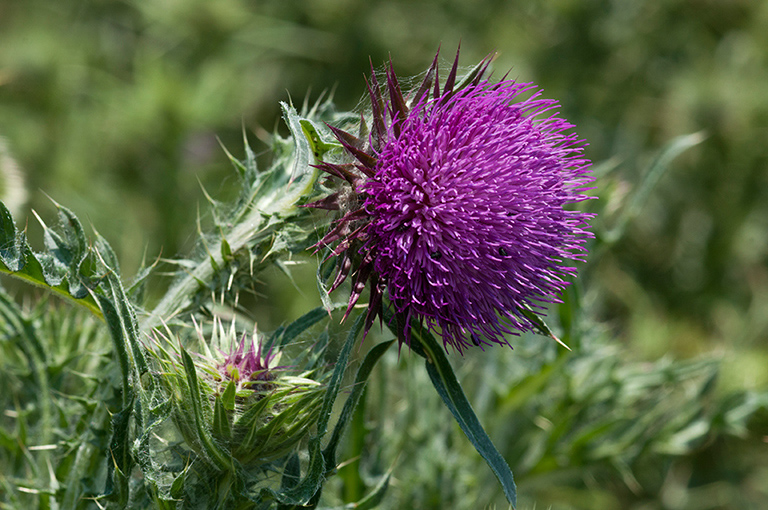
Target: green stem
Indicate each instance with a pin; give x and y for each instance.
(179, 295)
(266, 216)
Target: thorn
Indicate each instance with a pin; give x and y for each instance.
(560, 342)
(205, 192)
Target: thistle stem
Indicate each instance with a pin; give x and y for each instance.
(265, 217)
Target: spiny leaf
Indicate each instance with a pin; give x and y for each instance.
(266, 217)
(54, 270)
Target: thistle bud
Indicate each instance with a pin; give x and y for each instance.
(236, 410)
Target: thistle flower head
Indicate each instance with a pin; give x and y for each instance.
(456, 205)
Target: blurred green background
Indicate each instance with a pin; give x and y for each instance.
(113, 108)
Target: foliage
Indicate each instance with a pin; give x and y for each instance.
(107, 103)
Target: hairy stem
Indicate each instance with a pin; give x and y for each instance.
(265, 217)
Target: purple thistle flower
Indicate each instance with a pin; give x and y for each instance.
(456, 206)
(245, 366)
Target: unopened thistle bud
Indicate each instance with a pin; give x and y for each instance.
(235, 410)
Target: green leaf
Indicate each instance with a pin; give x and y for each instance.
(228, 397)
(8, 235)
(302, 155)
(376, 496)
(55, 269)
(541, 326)
(120, 462)
(177, 487)
(349, 406)
(117, 333)
(316, 143)
(448, 387)
(226, 251)
(655, 172)
(114, 292)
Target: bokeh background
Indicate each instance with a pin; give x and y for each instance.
(114, 107)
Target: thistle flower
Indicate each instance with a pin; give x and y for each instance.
(455, 205)
(236, 412)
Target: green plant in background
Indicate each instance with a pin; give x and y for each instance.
(13, 192)
(166, 407)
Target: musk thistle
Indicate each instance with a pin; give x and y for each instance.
(454, 205)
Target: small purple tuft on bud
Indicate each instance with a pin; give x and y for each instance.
(246, 365)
